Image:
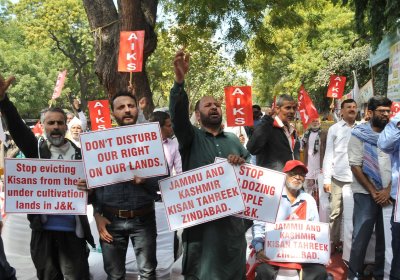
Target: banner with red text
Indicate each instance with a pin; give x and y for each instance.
(118, 154)
(130, 58)
(201, 195)
(336, 86)
(239, 111)
(59, 84)
(297, 242)
(261, 190)
(307, 110)
(43, 186)
(100, 117)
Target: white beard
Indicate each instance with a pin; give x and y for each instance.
(293, 187)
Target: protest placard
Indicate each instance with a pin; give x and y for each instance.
(261, 190)
(201, 195)
(43, 186)
(118, 154)
(397, 206)
(239, 111)
(297, 241)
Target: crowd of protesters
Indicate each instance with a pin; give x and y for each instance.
(361, 157)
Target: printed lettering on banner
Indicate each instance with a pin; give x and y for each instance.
(261, 190)
(118, 154)
(239, 111)
(43, 186)
(130, 57)
(201, 195)
(99, 111)
(297, 242)
(336, 86)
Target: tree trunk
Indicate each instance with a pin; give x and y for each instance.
(106, 23)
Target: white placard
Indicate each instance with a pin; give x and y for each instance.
(118, 154)
(43, 186)
(261, 191)
(201, 195)
(297, 242)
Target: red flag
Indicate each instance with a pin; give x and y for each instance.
(394, 109)
(130, 58)
(99, 114)
(239, 111)
(336, 86)
(307, 110)
(37, 129)
(59, 84)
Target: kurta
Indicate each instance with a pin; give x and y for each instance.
(217, 249)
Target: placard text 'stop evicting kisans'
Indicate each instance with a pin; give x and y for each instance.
(42, 186)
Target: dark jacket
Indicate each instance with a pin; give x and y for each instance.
(35, 148)
(271, 146)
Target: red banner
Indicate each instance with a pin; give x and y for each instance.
(239, 111)
(394, 109)
(336, 86)
(99, 114)
(59, 84)
(130, 58)
(307, 110)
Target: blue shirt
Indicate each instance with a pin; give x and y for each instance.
(389, 142)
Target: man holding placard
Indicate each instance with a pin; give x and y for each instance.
(126, 210)
(58, 242)
(213, 250)
(295, 205)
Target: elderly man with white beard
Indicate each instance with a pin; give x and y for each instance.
(293, 198)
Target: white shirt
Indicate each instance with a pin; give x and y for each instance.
(313, 162)
(336, 162)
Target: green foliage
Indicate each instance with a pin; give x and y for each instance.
(376, 18)
(309, 53)
(209, 70)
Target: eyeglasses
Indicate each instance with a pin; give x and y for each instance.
(381, 111)
(293, 174)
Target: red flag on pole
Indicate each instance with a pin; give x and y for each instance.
(130, 58)
(239, 111)
(99, 114)
(394, 109)
(59, 84)
(336, 86)
(307, 110)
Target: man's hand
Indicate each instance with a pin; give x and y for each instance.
(327, 188)
(235, 160)
(4, 85)
(261, 256)
(382, 196)
(76, 104)
(101, 223)
(82, 186)
(181, 66)
(138, 180)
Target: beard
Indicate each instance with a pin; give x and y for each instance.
(380, 123)
(210, 120)
(293, 186)
(56, 141)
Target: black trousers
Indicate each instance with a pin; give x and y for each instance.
(311, 271)
(59, 255)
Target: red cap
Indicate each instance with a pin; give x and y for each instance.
(292, 164)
